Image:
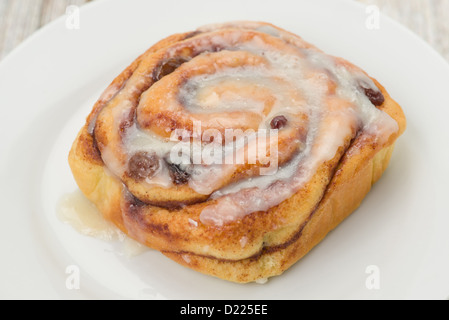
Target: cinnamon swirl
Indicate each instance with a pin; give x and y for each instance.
(236, 148)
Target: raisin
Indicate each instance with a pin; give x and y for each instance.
(376, 97)
(143, 165)
(178, 175)
(278, 122)
(168, 66)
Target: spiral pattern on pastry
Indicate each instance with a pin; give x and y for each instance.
(232, 77)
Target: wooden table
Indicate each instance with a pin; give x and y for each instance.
(427, 18)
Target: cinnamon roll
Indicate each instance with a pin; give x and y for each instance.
(234, 149)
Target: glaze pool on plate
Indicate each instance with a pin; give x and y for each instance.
(49, 84)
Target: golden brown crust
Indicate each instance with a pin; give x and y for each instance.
(274, 240)
(338, 202)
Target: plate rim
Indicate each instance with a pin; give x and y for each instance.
(42, 31)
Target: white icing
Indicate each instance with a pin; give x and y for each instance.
(186, 258)
(208, 100)
(193, 223)
(327, 134)
(262, 281)
(138, 140)
(296, 81)
(269, 30)
(77, 211)
(243, 241)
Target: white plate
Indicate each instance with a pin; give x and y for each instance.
(48, 85)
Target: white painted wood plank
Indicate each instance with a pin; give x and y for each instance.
(429, 19)
(20, 18)
(441, 26)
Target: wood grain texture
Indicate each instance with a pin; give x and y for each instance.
(429, 19)
(20, 18)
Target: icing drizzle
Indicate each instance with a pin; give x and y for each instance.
(242, 76)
